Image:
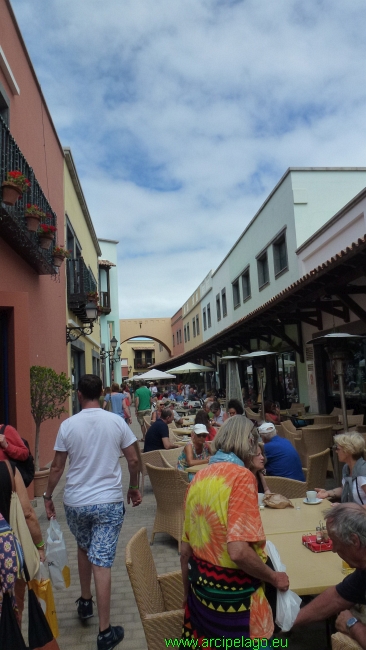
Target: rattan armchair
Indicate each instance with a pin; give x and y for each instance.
(147, 421)
(159, 598)
(252, 416)
(152, 457)
(312, 441)
(170, 456)
(170, 487)
(337, 411)
(323, 420)
(295, 408)
(290, 432)
(315, 477)
(343, 642)
(352, 420)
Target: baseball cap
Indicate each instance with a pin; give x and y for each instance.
(200, 430)
(266, 427)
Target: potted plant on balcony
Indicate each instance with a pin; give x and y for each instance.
(46, 235)
(33, 215)
(49, 391)
(14, 186)
(93, 296)
(59, 254)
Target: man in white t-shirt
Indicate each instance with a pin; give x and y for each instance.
(93, 440)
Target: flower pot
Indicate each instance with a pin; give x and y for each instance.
(11, 193)
(45, 240)
(32, 221)
(40, 481)
(57, 260)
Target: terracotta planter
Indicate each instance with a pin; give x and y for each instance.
(40, 481)
(57, 260)
(32, 222)
(45, 240)
(11, 193)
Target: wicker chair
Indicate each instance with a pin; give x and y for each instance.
(352, 420)
(170, 456)
(323, 420)
(280, 431)
(147, 422)
(170, 487)
(295, 408)
(313, 441)
(343, 642)
(315, 477)
(337, 411)
(152, 457)
(158, 598)
(290, 432)
(361, 428)
(252, 416)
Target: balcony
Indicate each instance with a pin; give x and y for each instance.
(13, 228)
(142, 364)
(80, 282)
(105, 302)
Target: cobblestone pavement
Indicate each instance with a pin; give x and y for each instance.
(75, 635)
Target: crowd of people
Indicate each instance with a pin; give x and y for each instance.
(229, 582)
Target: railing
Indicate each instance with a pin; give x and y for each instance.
(142, 364)
(80, 282)
(12, 222)
(105, 302)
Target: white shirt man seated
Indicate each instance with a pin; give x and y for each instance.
(346, 525)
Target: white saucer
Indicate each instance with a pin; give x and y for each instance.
(312, 503)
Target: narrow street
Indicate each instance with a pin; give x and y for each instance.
(75, 635)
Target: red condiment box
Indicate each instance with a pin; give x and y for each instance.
(310, 542)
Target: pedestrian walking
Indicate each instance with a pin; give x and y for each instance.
(93, 440)
(143, 407)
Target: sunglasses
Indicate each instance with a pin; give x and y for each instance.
(335, 448)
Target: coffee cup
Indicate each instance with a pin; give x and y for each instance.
(260, 498)
(311, 496)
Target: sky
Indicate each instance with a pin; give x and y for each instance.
(182, 115)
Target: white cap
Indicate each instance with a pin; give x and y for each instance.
(266, 427)
(200, 430)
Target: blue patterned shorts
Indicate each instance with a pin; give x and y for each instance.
(96, 530)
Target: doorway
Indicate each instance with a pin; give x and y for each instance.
(4, 367)
(77, 371)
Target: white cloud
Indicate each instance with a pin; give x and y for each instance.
(189, 112)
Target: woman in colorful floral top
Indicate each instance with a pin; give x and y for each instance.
(195, 452)
(223, 554)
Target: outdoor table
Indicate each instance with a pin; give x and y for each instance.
(290, 520)
(309, 573)
(195, 468)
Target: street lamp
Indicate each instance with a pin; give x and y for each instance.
(113, 354)
(74, 333)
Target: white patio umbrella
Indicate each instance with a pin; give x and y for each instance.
(155, 375)
(186, 368)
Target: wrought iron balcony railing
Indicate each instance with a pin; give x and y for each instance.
(141, 364)
(105, 302)
(13, 227)
(80, 282)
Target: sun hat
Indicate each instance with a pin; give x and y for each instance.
(266, 427)
(200, 430)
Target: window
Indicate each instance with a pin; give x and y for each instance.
(4, 106)
(197, 325)
(236, 294)
(173, 341)
(224, 305)
(185, 334)
(280, 254)
(218, 307)
(204, 319)
(188, 336)
(208, 315)
(263, 274)
(161, 347)
(245, 284)
(180, 336)
(194, 327)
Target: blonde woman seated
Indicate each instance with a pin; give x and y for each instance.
(196, 452)
(256, 466)
(350, 448)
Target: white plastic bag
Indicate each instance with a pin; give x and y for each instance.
(56, 556)
(288, 603)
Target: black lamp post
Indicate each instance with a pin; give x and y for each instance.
(113, 355)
